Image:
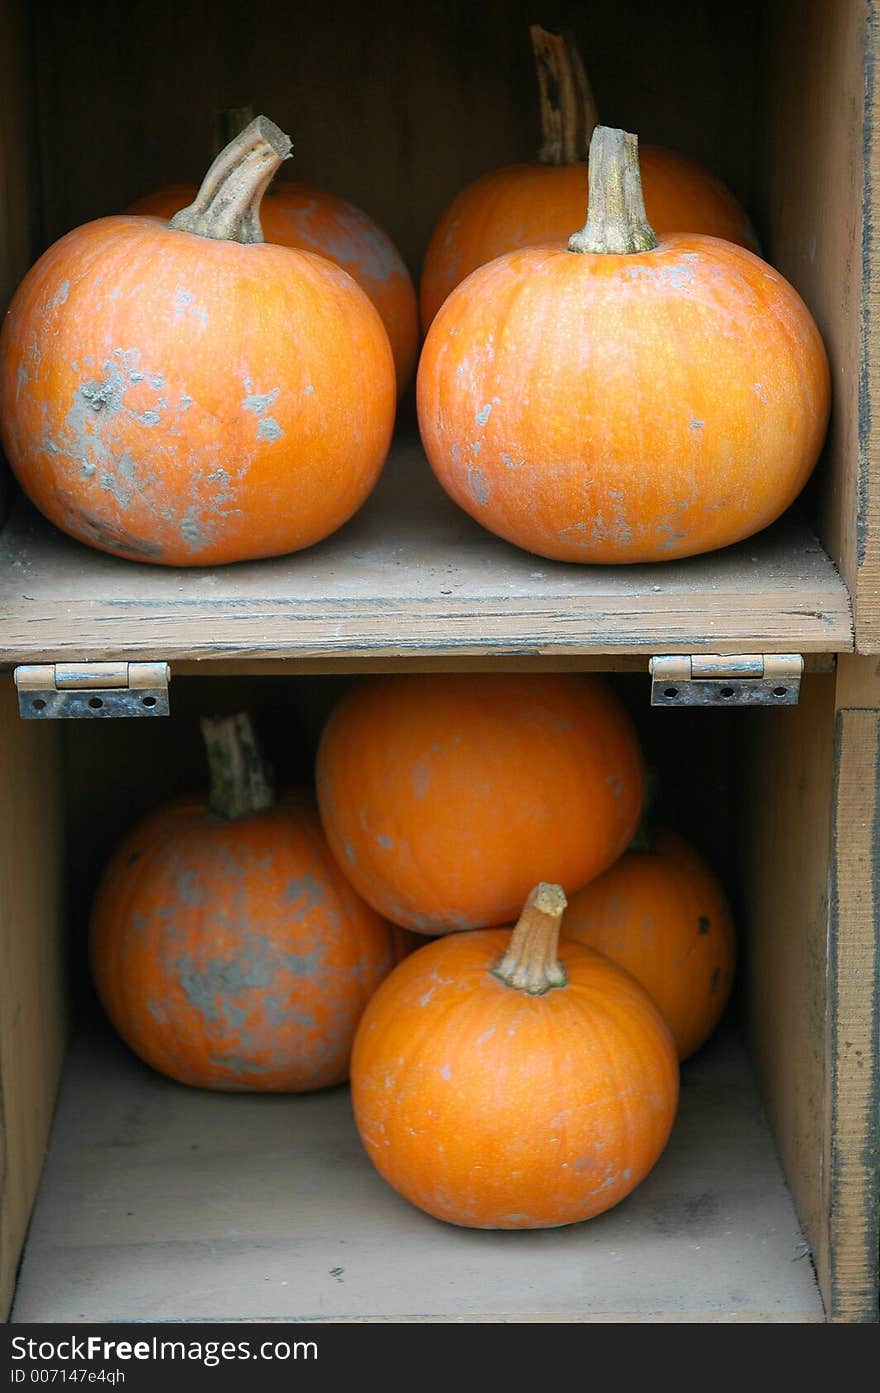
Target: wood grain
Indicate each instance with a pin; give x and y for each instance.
(32, 1004)
(787, 760)
(391, 106)
(811, 866)
(161, 1202)
(17, 200)
(816, 198)
(852, 1105)
(413, 576)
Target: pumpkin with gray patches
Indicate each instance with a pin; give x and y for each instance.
(188, 394)
(623, 399)
(226, 946)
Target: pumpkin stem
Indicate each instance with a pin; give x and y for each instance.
(531, 963)
(559, 123)
(617, 223)
(242, 782)
(568, 107)
(227, 206)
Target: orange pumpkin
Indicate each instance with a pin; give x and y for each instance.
(623, 400)
(440, 794)
(226, 946)
(497, 1086)
(298, 215)
(663, 916)
(526, 205)
(190, 395)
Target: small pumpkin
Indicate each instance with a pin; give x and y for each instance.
(502, 1080)
(311, 219)
(623, 400)
(188, 394)
(660, 912)
(525, 205)
(440, 794)
(226, 946)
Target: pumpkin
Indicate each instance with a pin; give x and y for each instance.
(662, 915)
(441, 793)
(525, 205)
(226, 946)
(188, 394)
(300, 215)
(497, 1083)
(623, 400)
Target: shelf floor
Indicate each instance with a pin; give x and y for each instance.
(162, 1203)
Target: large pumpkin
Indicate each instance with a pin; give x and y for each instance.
(498, 1085)
(624, 399)
(440, 795)
(191, 395)
(299, 215)
(226, 946)
(525, 205)
(662, 915)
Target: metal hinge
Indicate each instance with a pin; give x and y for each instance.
(741, 679)
(52, 691)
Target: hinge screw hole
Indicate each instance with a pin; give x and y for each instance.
(148, 701)
(780, 691)
(96, 703)
(39, 704)
(726, 691)
(671, 692)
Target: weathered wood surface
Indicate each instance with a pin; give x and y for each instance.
(33, 1015)
(162, 1202)
(413, 575)
(817, 185)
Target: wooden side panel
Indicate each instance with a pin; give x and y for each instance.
(788, 758)
(811, 859)
(819, 180)
(32, 1000)
(853, 1090)
(16, 168)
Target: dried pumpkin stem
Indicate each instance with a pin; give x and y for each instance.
(531, 963)
(558, 95)
(242, 782)
(617, 223)
(568, 107)
(227, 206)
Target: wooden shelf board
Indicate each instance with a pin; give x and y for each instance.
(411, 575)
(160, 1202)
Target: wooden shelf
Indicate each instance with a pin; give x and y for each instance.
(411, 575)
(160, 1202)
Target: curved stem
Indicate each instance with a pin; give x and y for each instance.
(617, 223)
(241, 778)
(556, 86)
(531, 963)
(227, 206)
(568, 107)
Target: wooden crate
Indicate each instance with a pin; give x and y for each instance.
(777, 1145)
